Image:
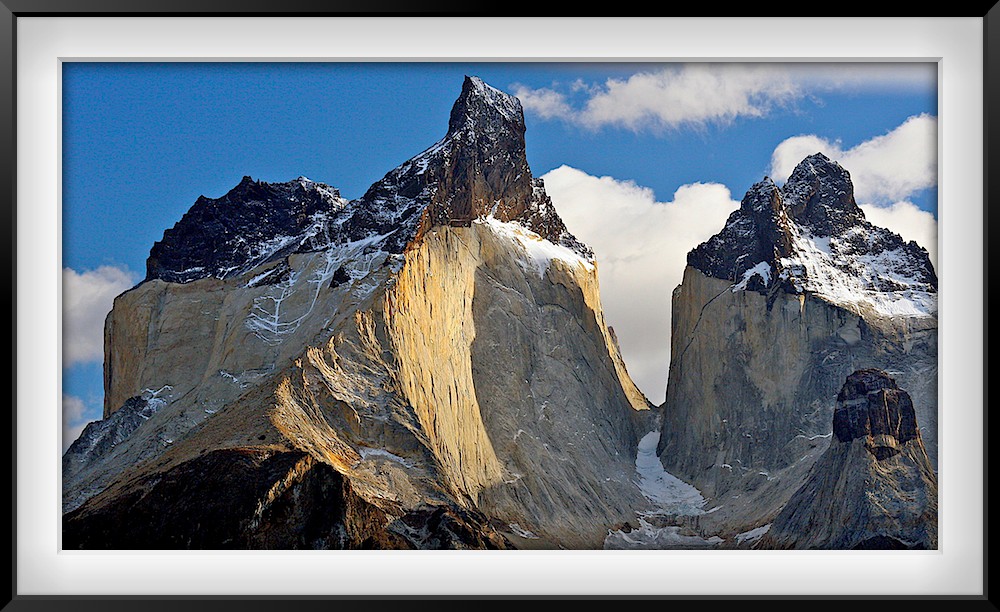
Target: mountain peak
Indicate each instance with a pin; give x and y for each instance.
(484, 109)
(478, 170)
(253, 222)
(810, 236)
(819, 193)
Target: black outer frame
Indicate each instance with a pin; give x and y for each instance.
(11, 10)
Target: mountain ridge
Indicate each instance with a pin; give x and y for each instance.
(810, 236)
(479, 169)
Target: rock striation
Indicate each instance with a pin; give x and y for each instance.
(795, 293)
(427, 366)
(874, 487)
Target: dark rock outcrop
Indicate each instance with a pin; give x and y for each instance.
(259, 498)
(806, 230)
(255, 222)
(874, 487)
(871, 406)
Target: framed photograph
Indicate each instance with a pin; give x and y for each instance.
(426, 288)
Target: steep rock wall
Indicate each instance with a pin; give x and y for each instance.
(751, 389)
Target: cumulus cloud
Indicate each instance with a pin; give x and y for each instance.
(87, 300)
(74, 419)
(697, 94)
(641, 246)
(671, 97)
(884, 170)
(546, 103)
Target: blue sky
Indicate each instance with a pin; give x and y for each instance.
(643, 161)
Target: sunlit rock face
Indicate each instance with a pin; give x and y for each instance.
(795, 293)
(427, 366)
(874, 487)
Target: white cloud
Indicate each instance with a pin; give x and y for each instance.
(672, 97)
(87, 299)
(866, 76)
(546, 103)
(641, 247)
(908, 221)
(696, 94)
(74, 419)
(885, 169)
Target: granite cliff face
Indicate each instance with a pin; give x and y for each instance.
(427, 366)
(795, 293)
(874, 487)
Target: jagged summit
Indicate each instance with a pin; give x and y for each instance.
(810, 236)
(484, 109)
(819, 194)
(252, 223)
(478, 170)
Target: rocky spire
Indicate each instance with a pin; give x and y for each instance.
(482, 110)
(479, 169)
(756, 233)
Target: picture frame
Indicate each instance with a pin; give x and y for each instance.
(43, 39)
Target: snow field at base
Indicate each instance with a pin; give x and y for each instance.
(538, 251)
(670, 496)
(648, 536)
(666, 491)
(754, 534)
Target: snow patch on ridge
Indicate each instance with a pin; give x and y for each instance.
(763, 270)
(271, 321)
(521, 531)
(823, 266)
(367, 453)
(753, 535)
(538, 251)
